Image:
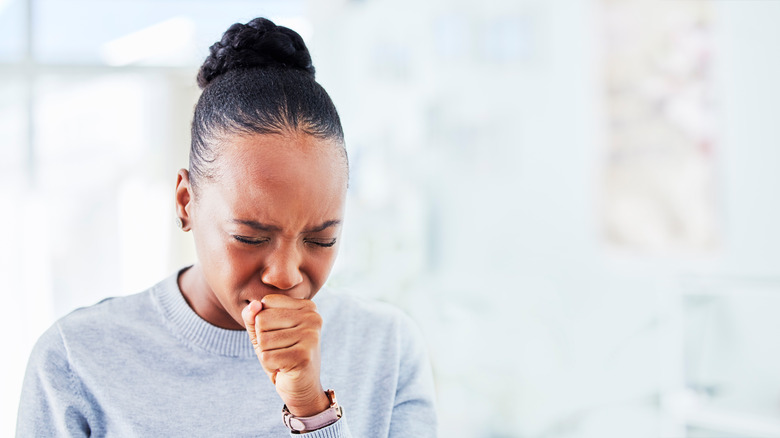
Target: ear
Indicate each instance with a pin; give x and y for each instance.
(184, 198)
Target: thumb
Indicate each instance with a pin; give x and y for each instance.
(248, 315)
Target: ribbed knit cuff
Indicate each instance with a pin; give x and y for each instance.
(339, 429)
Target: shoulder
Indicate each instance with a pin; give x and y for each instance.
(106, 324)
(81, 330)
(360, 319)
(346, 308)
(101, 336)
(109, 312)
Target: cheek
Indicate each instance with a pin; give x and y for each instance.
(209, 246)
(223, 263)
(319, 268)
(241, 266)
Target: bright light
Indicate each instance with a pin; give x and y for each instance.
(163, 41)
(300, 24)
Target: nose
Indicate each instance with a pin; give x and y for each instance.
(282, 269)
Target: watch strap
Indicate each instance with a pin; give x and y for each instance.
(314, 422)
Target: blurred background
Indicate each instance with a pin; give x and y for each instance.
(572, 198)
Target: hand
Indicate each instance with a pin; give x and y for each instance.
(286, 335)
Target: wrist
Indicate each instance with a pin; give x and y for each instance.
(309, 406)
(300, 424)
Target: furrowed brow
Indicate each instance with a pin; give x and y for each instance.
(256, 225)
(324, 226)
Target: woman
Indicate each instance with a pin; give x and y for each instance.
(264, 199)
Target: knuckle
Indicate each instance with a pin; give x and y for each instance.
(267, 356)
(265, 322)
(312, 334)
(313, 319)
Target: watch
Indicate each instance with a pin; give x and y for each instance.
(309, 424)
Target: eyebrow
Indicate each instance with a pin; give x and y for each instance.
(322, 227)
(256, 225)
(265, 227)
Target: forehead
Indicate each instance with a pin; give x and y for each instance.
(293, 178)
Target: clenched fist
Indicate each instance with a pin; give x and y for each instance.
(286, 335)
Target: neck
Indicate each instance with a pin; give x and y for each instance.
(202, 300)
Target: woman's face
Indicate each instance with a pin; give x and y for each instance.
(269, 222)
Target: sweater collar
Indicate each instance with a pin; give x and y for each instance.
(193, 329)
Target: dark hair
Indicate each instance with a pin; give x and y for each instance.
(258, 79)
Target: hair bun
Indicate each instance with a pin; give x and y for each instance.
(259, 43)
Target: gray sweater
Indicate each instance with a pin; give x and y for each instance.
(146, 365)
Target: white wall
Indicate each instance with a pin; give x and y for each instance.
(476, 134)
(536, 327)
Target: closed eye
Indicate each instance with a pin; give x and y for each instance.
(322, 243)
(250, 241)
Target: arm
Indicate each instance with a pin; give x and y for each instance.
(285, 333)
(51, 402)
